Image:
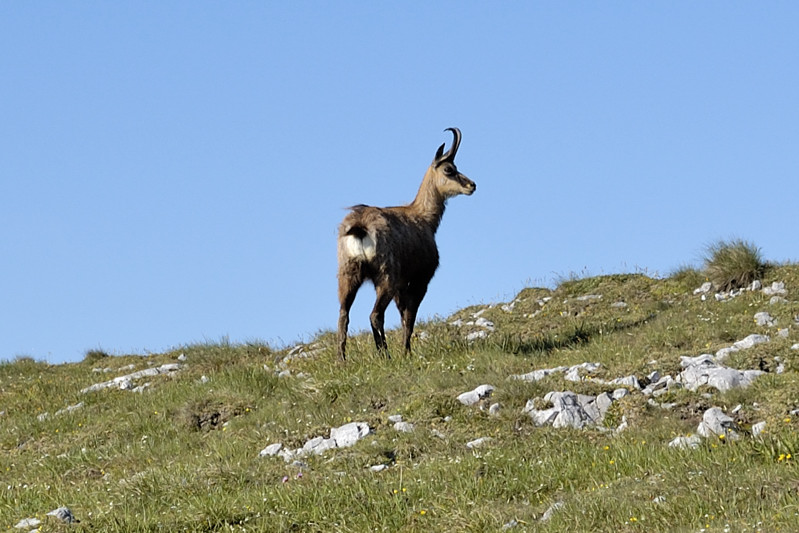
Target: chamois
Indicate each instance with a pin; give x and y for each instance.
(395, 248)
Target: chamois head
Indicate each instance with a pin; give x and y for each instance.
(444, 174)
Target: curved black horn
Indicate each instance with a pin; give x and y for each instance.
(456, 142)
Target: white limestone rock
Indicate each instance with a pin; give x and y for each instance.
(28, 523)
(348, 434)
(685, 443)
(404, 427)
(570, 409)
(340, 437)
(759, 428)
(474, 396)
(704, 289)
(743, 344)
(126, 382)
(476, 443)
(272, 449)
(764, 319)
(704, 370)
(777, 288)
(64, 514)
(715, 423)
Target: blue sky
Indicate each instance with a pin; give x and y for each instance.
(174, 172)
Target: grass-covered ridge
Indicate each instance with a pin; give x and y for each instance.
(183, 454)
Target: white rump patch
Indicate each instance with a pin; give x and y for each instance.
(364, 249)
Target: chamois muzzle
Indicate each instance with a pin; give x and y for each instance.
(469, 185)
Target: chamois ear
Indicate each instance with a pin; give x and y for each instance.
(437, 160)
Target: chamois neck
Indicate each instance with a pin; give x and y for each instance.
(429, 203)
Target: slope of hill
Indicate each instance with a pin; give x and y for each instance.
(473, 432)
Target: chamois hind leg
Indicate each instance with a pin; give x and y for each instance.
(408, 302)
(377, 318)
(348, 286)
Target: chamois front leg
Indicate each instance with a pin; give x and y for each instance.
(377, 319)
(408, 304)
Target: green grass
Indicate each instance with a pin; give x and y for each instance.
(183, 454)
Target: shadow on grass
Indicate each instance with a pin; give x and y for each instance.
(561, 338)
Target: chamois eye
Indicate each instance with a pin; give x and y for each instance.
(448, 171)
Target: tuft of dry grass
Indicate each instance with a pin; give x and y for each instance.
(733, 264)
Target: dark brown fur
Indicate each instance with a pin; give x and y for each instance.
(405, 256)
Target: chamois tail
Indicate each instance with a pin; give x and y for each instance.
(358, 244)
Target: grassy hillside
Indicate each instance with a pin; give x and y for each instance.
(182, 454)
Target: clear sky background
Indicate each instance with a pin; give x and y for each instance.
(174, 172)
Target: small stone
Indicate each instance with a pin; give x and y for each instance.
(537, 375)
(348, 434)
(715, 423)
(483, 323)
(705, 288)
(764, 319)
(182, 357)
(476, 443)
(494, 409)
(482, 334)
(318, 445)
(758, 428)
(395, 418)
(436, 433)
(404, 427)
(574, 372)
(63, 514)
(776, 288)
(743, 344)
(26, 523)
(684, 443)
(621, 427)
(549, 512)
(703, 370)
(541, 417)
(628, 381)
(474, 396)
(270, 450)
(618, 394)
(378, 468)
(659, 387)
